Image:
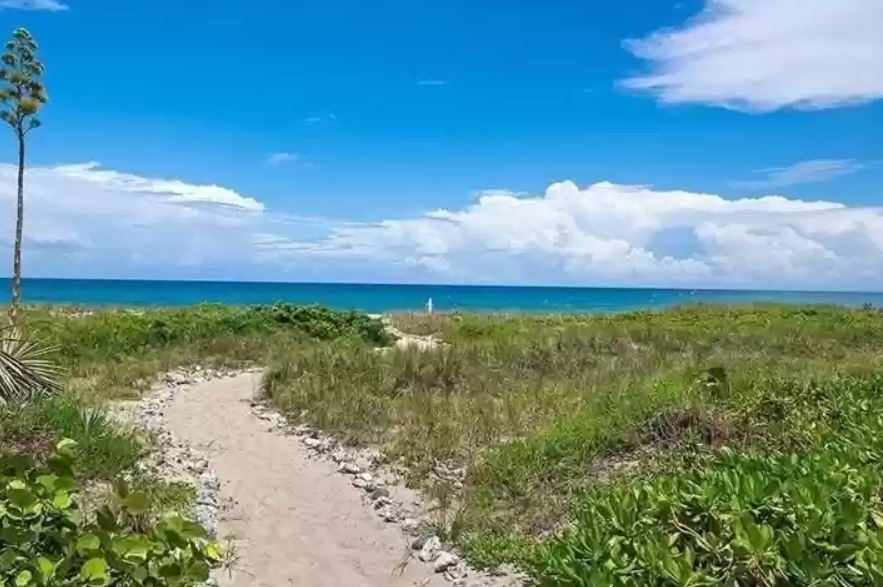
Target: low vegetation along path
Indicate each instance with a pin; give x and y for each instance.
(293, 519)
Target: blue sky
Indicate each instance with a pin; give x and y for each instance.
(351, 122)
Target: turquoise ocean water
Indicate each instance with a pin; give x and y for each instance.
(384, 298)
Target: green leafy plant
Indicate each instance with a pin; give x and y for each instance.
(23, 94)
(743, 518)
(46, 539)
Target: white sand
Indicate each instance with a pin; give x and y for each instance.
(295, 520)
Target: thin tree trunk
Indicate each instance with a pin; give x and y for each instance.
(19, 222)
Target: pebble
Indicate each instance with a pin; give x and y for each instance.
(430, 549)
(419, 541)
(444, 561)
(350, 468)
(378, 492)
(389, 514)
(313, 443)
(411, 526)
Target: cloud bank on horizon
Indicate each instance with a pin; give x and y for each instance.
(87, 221)
(765, 55)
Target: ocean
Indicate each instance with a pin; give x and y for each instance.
(386, 298)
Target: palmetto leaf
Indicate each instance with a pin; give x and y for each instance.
(25, 369)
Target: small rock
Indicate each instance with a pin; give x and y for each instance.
(419, 541)
(455, 572)
(430, 549)
(350, 468)
(382, 502)
(361, 483)
(389, 515)
(411, 526)
(444, 561)
(313, 443)
(367, 477)
(378, 492)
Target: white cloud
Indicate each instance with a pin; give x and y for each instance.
(613, 234)
(763, 55)
(168, 190)
(281, 158)
(82, 220)
(814, 171)
(431, 82)
(51, 5)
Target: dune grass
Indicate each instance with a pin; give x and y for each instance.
(537, 410)
(118, 352)
(104, 450)
(109, 354)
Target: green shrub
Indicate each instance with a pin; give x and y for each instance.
(46, 539)
(743, 518)
(115, 334)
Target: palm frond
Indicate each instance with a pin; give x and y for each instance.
(25, 368)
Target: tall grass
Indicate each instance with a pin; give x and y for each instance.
(538, 408)
(104, 450)
(112, 354)
(118, 352)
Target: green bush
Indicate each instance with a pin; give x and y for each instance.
(46, 539)
(743, 518)
(115, 334)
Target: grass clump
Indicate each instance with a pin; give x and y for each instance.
(103, 449)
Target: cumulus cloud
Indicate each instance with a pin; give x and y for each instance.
(50, 5)
(817, 170)
(614, 234)
(764, 55)
(83, 220)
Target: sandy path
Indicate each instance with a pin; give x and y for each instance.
(295, 520)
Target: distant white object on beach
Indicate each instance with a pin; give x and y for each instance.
(429, 306)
